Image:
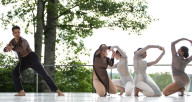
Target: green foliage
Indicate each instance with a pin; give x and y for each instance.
(6, 59)
(6, 82)
(78, 18)
(115, 76)
(162, 79)
(5, 2)
(190, 76)
(76, 21)
(74, 78)
(21, 12)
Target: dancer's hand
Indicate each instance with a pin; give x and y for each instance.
(188, 40)
(9, 47)
(161, 48)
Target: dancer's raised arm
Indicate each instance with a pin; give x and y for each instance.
(158, 59)
(173, 50)
(120, 51)
(140, 52)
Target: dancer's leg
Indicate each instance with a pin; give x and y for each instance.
(136, 91)
(20, 67)
(129, 88)
(117, 83)
(112, 88)
(36, 65)
(145, 88)
(172, 88)
(99, 87)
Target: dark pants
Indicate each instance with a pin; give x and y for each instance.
(31, 61)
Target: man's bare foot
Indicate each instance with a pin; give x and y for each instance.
(59, 93)
(21, 93)
(137, 90)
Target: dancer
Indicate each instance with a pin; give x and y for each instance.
(101, 80)
(125, 83)
(179, 62)
(27, 58)
(143, 82)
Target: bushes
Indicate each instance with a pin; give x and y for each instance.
(74, 78)
(6, 82)
(68, 79)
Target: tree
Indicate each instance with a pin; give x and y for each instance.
(39, 27)
(70, 21)
(50, 37)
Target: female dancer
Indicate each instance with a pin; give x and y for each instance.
(179, 62)
(27, 59)
(143, 82)
(125, 83)
(101, 81)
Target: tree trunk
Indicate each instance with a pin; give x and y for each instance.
(40, 28)
(50, 38)
(38, 35)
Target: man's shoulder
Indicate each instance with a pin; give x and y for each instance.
(23, 39)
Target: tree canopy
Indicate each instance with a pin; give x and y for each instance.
(68, 22)
(78, 18)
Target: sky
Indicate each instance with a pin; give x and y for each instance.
(175, 21)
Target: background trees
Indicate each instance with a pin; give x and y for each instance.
(68, 22)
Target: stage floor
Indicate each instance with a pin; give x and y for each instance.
(88, 97)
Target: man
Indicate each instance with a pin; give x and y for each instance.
(27, 59)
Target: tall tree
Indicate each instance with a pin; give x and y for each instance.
(73, 20)
(50, 37)
(39, 27)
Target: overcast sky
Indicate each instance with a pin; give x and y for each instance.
(175, 21)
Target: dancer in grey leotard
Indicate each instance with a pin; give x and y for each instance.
(143, 82)
(179, 62)
(125, 83)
